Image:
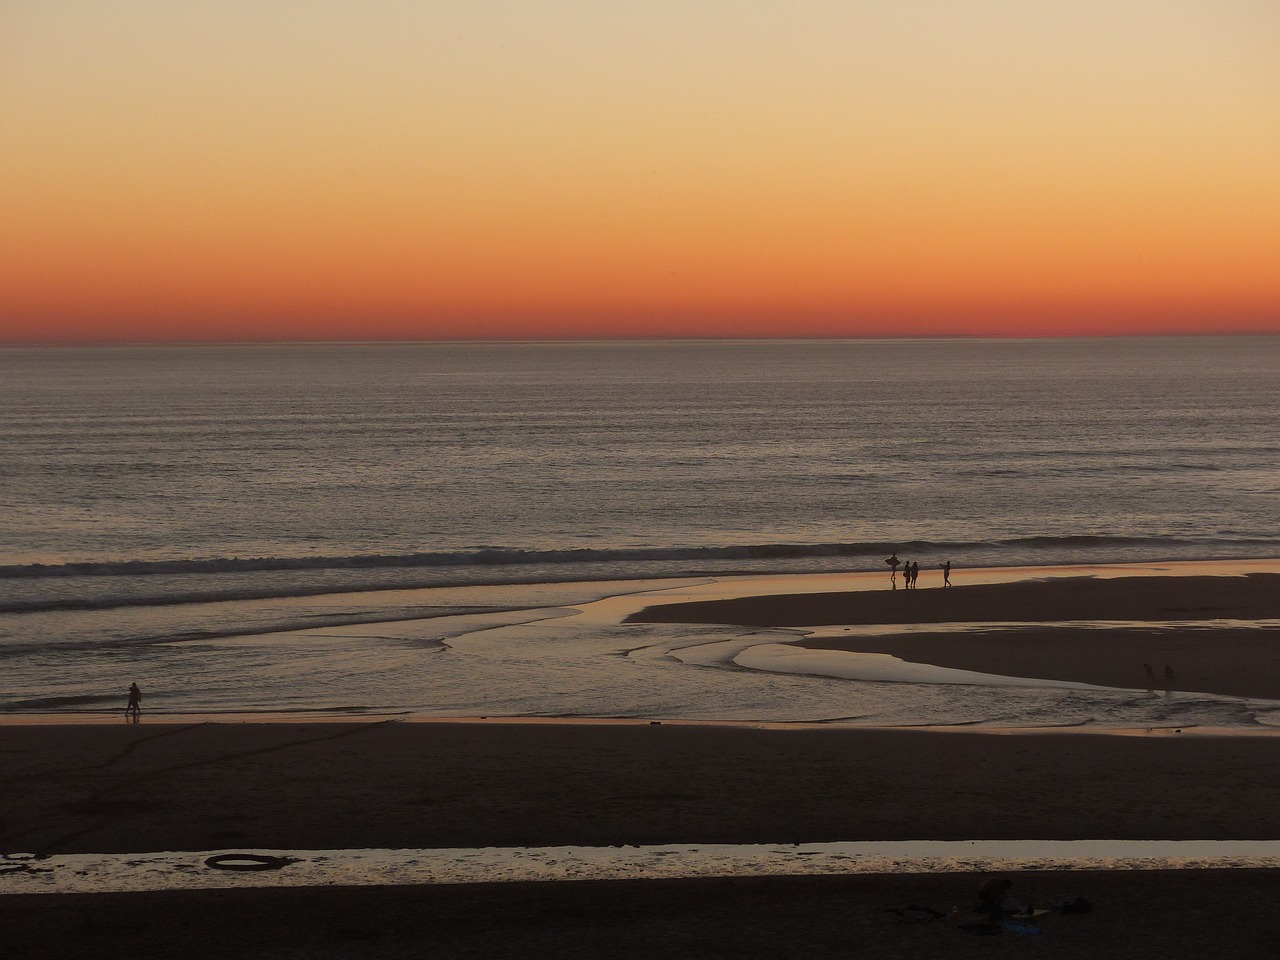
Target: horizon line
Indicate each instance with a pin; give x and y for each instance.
(388, 341)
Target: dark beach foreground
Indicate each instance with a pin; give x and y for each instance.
(1160, 914)
(129, 788)
(149, 787)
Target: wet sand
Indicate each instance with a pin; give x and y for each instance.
(155, 786)
(1132, 621)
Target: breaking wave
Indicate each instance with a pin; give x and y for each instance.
(504, 556)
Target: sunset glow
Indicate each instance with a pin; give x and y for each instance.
(400, 170)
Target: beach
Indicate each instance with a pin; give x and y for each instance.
(145, 787)
(1139, 915)
(148, 787)
(223, 783)
(1079, 629)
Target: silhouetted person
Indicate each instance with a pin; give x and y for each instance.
(134, 710)
(993, 897)
(1168, 680)
(1151, 677)
(915, 573)
(893, 562)
(946, 574)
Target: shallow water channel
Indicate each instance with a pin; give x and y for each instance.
(102, 873)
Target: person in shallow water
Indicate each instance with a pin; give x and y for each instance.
(134, 710)
(893, 562)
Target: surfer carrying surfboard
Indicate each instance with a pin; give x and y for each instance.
(893, 562)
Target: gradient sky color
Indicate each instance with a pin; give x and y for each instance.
(302, 169)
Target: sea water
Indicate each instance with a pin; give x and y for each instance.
(410, 526)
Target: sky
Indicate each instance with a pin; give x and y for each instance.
(387, 169)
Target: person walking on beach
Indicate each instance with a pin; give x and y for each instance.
(1168, 681)
(914, 572)
(946, 573)
(134, 710)
(1151, 677)
(893, 562)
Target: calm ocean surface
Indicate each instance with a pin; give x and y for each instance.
(163, 504)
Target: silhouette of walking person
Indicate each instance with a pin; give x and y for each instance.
(946, 573)
(1168, 681)
(134, 710)
(893, 562)
(1151, 677)
(915, 573)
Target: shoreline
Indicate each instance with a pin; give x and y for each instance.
(994, 621)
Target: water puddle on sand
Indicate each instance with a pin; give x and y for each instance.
(106, 873)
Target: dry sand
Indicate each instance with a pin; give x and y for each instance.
(1184, 915)
(151, 787)
(156, 787)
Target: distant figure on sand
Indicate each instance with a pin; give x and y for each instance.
(946, 573)
(1151, 677)
(134, 710)
(915, 573)
(893, 562)
(1168, 680)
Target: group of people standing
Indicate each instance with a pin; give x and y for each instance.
(911, 572)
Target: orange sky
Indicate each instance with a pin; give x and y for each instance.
(571, 169)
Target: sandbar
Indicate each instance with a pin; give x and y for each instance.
(1217, 634)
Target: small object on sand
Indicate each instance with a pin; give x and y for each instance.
(247, 861)
(1014, 926)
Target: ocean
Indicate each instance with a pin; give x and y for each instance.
(311, 527)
